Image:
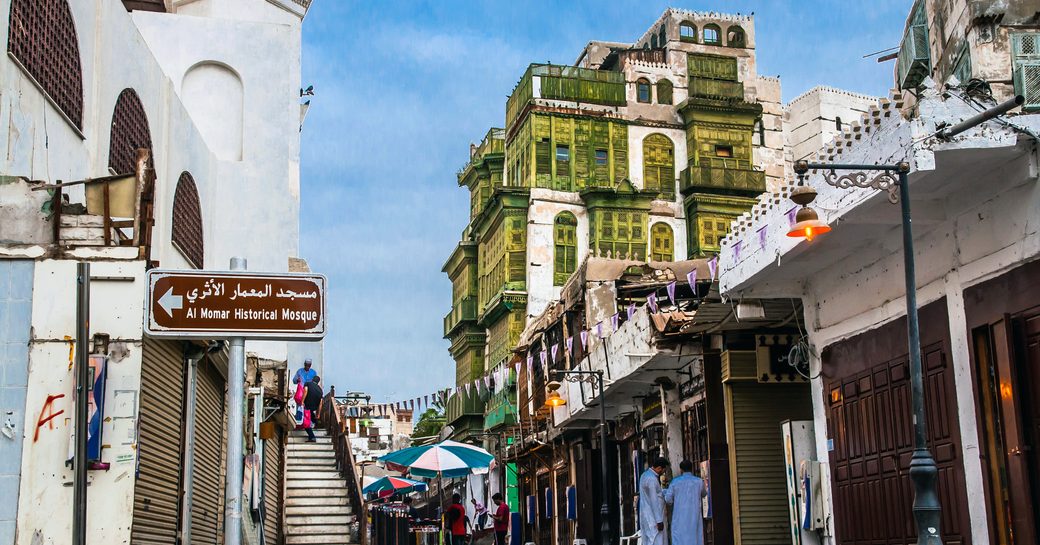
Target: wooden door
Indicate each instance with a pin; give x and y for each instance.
(1027, 346)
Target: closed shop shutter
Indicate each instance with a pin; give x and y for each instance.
(207, 511)
(157, 490)
(759, 483)
(273, 466)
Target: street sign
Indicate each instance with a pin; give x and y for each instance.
(207, 304)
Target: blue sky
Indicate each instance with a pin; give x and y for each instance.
(402, 88)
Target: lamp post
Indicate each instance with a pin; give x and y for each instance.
(554, 400)
(893, 179)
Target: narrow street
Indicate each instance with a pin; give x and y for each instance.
(281, 272)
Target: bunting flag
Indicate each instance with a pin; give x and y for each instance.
(487, 382)
(599, 330)
(691, 279)
(671, 292)
(614, 321)
(516, 367)
(569, 342)
(411, 404)
(762, 236)
(468, 385)
(542, 355)
(737, 247)
(713, 265)
(584, 337)
(555, 348)
(791, 215)
(530, 365)
(426, 400)
(631, 310)
(651, 301)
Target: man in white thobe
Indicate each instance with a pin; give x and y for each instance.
(684, 494)
(651, 504)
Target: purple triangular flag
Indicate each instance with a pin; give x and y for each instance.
(630, 311)
(555, 348)
(584, 338)
(762, 236)
(691, 279)
(542, 355)
(467, 389)
(516, 367)
(487, 382)
(671, 292)
(651, 301)
(713, 265)
(569, 342)
(792, 214)
(614, 321)
(737, 247)
(599, 330)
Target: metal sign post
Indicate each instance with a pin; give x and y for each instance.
(234, 305)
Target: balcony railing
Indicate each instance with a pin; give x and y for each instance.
(459, 406)
(566, 83)
(463, 311)
(716, 88)
(722, 177)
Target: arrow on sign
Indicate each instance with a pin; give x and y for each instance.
(170, 302)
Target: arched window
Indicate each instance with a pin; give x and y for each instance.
(687, 32)
(659, 165)
(837, 123)
(42, 37)
(712, 34)
(662, 38)
(664, 92)
(735, 37)
(643, 90)
(129, 132)
(219, 121)
(653, 41)
(662, 242)
(565, 241)
(187, 221)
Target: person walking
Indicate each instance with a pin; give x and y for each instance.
(455, 516)
(303, 375)
(501, 517)
(684, 494)
(311, 404)
(651, 504)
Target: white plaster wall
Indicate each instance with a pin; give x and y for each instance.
(42, 504)
(636, 135)
(546, 204)
(259, 11)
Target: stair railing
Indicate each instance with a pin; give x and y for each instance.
(331, 420)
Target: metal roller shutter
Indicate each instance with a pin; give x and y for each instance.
(273, 468)
(207, 510)
(157, 490)
(759, 483)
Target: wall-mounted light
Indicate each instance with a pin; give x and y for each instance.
(807, 222)
(553, 399)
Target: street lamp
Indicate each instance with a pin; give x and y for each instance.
(554, 400)
(923, 471)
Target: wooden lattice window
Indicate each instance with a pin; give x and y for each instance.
(1026, 56)
(659, 165)
(566, 247)
(129, 133)
(643, 91)
(187, 221)
(662, 242)
(735, 37)
(42, 37)
(664, 92)
(620, 233)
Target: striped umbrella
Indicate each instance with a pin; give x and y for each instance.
(446, 459)
(388, 486)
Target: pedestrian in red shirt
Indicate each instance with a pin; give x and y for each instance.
(455, 516)
(501, 517)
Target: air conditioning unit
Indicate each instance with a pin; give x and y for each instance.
(771, 358)
(739, 365)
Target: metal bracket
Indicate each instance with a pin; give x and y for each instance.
(884, 181)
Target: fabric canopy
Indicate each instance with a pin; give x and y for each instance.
(445, 459)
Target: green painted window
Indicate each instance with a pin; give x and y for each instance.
(712, 34)
(659, 165)
(542, 157)
(687, 32)
(643, 91)
(664, 92)
(601, 157)
(620, 233)
(735, 37)
(662, 242)
(1026, 51)
(565, 258)
(712, 67)
(662, 38)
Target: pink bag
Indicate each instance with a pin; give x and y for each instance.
(307, 419)
(299, 393)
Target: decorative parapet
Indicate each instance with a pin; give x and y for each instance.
(296, 7)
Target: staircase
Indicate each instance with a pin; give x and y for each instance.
(317, 505)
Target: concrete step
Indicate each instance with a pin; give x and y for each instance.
(318, 520)
(322, 486)
(295, 439)
(312, 454)
(310, 447)
(331, 492)
(310, 502)
(317, 529)
(332, 510)
(328, 539)
(303, 474)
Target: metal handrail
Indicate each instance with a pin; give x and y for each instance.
(330, 419)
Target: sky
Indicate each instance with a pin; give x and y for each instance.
(403, 88)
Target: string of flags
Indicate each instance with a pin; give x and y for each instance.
(551, 354)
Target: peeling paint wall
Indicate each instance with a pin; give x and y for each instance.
(16, 295)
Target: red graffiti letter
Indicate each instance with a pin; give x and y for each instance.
(47, 414)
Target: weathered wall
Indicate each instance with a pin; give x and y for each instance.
(16, 295)
(810, 120)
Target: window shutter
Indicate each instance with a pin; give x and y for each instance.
(1026, 50)
(543, 156)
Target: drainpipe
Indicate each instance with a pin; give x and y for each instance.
(83, 380)
(192, 357)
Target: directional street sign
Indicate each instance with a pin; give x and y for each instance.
(205, 304)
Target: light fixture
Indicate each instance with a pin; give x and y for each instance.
(553, 399)
(807, 222)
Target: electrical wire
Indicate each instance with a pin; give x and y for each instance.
(802, 350)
